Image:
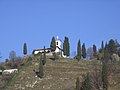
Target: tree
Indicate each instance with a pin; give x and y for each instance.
(84, 51)
(86, 84)
(41, 71)
(79, 50)
(118, 52)
(105, 68)
(66, 47)
(94, 50)
(90, 53)
(6, 61)
(107, 55)
(112, 47)
(117, 44)
(25, 49)
(44, 57)
(77, 83)
(53, 44)
(55, 56)
(102, 47)
(105, 76)
(12, 55)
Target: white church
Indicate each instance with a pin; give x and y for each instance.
(59, 49)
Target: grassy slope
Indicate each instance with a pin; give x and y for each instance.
(59, 75)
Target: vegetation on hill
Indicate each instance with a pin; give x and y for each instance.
(42, 72)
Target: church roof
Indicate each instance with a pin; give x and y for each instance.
(42, 49)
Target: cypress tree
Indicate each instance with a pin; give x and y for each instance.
(77, 83)
(44, 57)
(86, 84)
(105, 68)
(41, 71)
(66, 47)
(112, 47)
(106, 53)
(84, 51)
(25, 49)
(79, 50)
(102, 48)
(53, 44)
(94, 50)
(104, 76)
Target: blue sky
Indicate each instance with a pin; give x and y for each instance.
(36, 21)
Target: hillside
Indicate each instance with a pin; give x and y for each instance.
(60, 75)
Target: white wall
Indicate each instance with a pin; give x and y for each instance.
(58, 44)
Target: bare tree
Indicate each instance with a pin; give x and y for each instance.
(96, 76)
(90, 53)
(12, 55)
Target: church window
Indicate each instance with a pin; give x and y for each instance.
(57, 43)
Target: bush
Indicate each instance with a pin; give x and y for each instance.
(115, 58)
(29, 59)
(78, 58)
(55, 56)
(2, 67)
(86, 84)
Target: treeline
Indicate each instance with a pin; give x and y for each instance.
(92, 53)
(108, 74)
(88, 53)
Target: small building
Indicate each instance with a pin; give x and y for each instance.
(10, 71)
(36, 51)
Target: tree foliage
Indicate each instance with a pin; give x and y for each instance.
(66, 47)
(102, 47)
(90, 53)
(25, 49)
(44, 57)
(112, 47)
(77, 83)
(53, 44)
(84, 50)
(105, 67)
(79, 50)
(94, 50)
(86, 84)
(12, 55)
(118, 47)
(41, 71)
(105, 76)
